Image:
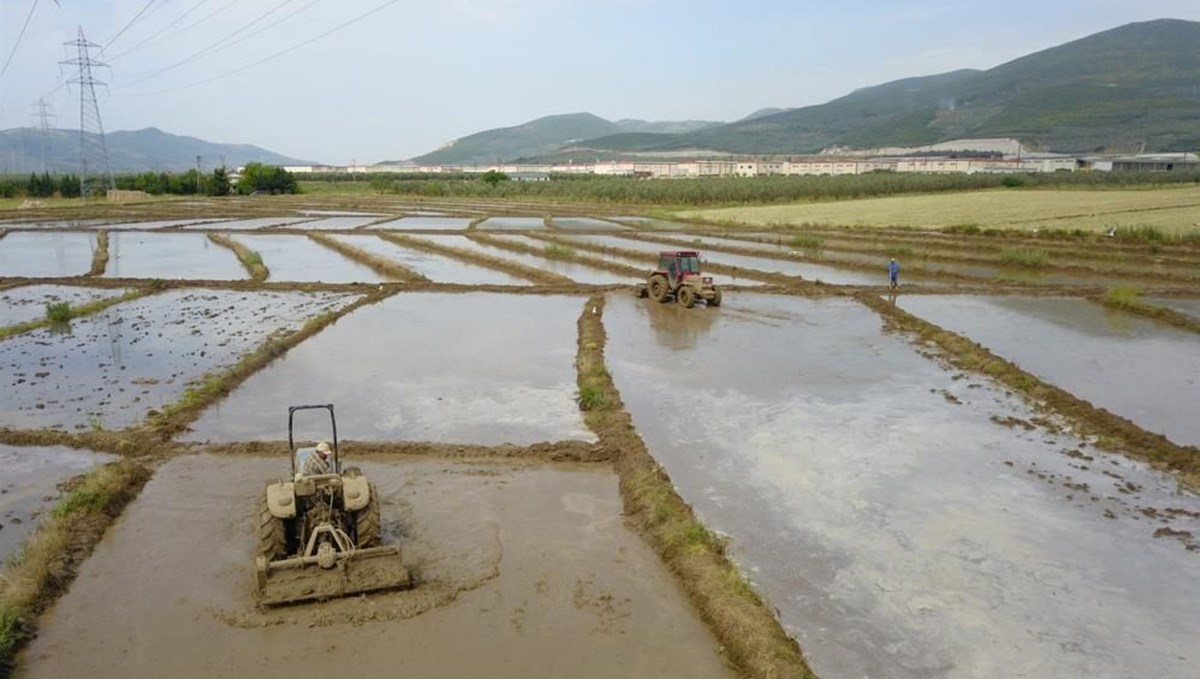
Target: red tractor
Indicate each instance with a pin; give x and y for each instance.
(678, 276)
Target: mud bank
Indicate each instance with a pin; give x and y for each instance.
(899, 529)
(528, 567)
(424, 367)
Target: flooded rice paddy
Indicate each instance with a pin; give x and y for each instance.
(646, 263)
(447, 368)
(337, 223)
(170, 256)
(586, 223)
(576, 272)
(29, 486)
(429, 223)
(1190, 307)
(28, 303)
(435, 267)
(896, 526)
(109, 369)
(1136, 368)
(45, 255)
(529, 568)
(301, 259)
(513, 223)
(257, 223)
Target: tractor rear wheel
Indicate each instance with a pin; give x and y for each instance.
(659, 288)
(716, 298)
(367, 524)
(687, 296)
(272, 534)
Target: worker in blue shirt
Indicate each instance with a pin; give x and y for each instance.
(894, 273)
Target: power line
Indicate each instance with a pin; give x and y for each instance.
(152, 38)
(209, 48)
(131, 22)
(278, 54)
(18, 42)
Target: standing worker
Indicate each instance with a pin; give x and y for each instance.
(894, 273)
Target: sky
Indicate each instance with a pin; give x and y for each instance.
(318, 80)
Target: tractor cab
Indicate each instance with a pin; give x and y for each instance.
(682, 263)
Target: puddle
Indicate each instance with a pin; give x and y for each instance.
(1145, 371)
(583, 223)
(529, 567)
(1191, 307)
(336, 223)
(612, 241)
(883, 519)
(300, 259)
(449, 368)
(515, 223)
(28, 303)
(108, 370)
(170, 256)
(259, 223)
(29, 487)
(46, 254)
(435, 267)
(576, 272)
(432, 223)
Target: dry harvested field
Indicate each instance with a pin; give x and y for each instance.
(1174, 210)
(819, 477)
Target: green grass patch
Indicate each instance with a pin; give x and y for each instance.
(806, 242)
(253, 258)
(1027, 257)
(1123, 296)
(58, 312)
(557, 251)
(592, 397)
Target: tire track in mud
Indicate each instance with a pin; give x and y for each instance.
(1111, 431)
(751, 636)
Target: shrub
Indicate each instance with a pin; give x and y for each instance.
(1028, 257)
(59, 312)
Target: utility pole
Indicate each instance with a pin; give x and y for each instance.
(197, 175)
(43, 116)
(89, 110)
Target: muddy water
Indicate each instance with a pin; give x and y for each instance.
(435, 267)
(525, 571)
(583, 223)
(300, 259)
(898, 530)
(806, 270)
(432, 223)
(28, 303)
(170, 255)
(46, 254)
(515, 223)
(164, 223)
(719, 279)
(336, 223)
(108, 370)
(1191, 307)
(450, 368)
(1145, 371)
(29, 486)
(576, 272)
(260, 223)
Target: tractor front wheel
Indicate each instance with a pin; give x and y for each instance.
(715, 300)
(659, 288)
(687, 297)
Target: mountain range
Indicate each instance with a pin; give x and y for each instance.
(136, 151)
(1133, 87)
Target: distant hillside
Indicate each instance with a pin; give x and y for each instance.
(137, 151)
(1129, 86)
(543, 136)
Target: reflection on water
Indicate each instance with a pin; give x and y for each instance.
(674, 326)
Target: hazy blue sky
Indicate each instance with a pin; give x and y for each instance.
(419, 73)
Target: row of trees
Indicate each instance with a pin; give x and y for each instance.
(256, 178)
(748, 190)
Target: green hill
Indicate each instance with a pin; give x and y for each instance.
(1133, 85)
(543, 136)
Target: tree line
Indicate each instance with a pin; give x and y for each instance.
(255, 178)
